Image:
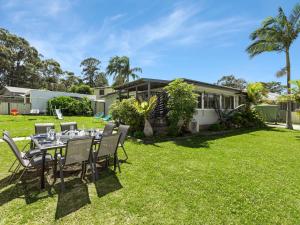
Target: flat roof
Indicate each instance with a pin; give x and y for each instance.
(141, 84)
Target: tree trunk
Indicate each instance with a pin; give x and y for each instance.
(289, 124)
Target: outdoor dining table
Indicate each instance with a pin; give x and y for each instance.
(45, 142)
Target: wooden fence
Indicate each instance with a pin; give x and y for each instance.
(6, 107)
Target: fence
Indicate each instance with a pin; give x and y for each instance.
(23, 108)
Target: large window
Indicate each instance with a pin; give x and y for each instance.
(227, 102)
(211, 101)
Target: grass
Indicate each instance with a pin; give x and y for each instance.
(22, 126)
(249, 177)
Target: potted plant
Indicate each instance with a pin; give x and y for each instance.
(145, 108)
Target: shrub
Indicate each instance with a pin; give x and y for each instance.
(71, 106)
(217, 127)
(125, 112)
(181, 104)
(81, 89)
(248, 118)
(139, 134)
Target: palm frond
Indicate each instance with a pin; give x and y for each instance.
(281, 72)
(261, 46)
(295, 15)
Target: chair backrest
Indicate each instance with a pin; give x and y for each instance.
(109, 145)
(67, 126)
(13, 147)
(123, 130)
(108, 129)
(41, 128)
(78, 150)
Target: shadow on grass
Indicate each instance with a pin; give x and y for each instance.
(28, 190)
(201, 140)
(72, 199)
(108, 182)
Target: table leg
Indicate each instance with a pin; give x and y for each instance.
(43, 170)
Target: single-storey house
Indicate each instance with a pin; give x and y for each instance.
(25, 99)
(229, 98)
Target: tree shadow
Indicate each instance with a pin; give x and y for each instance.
(108, 182)
(202, 139)
(74, 197)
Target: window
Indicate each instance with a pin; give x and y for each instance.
(228, 102)
(211, 101)
(199, 100)
(101, 92)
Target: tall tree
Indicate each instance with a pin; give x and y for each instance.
(101, 80)
(119, 68)
(19, 62)
(69, 80)
(90, 69)
(278, 34)
(51, 72)
(274, 87)
(232, 81)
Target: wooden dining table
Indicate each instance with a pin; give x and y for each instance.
(45, 142)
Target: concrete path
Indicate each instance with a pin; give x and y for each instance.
(19, 139)
(282, 125)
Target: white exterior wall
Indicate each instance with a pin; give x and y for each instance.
(205, 117)
(39, 98)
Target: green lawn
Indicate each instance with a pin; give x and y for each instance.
(21, 126)
(244, 178)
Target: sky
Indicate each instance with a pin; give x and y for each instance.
(195, 39)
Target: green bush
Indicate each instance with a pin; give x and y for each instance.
(125, 112)
(248, 118)
(70, 106)
(139, 134)
(81, 89)
(181, 104)
(217, 127)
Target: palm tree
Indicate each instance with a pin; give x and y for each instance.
(119, 68)
(277, 34)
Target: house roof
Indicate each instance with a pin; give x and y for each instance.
(142, 84)
(18, 90)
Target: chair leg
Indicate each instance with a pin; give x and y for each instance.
(93, 168)
(25, 169)
(124, 152)
(118, 163)
(61, 174)
(9, 170)
(14, 172)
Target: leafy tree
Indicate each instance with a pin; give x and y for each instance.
(19, 62)
(119, 68)
(274, 87)
(181, 104)
(101, 80)
(278, 34)
(69, 79)
(51, 72)
(231, 81)
(81, 89)
(90, 69)
(256, 92)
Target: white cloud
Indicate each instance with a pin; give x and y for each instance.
(181, 27)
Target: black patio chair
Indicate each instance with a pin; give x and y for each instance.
(32, 162)
(42, 128)
(123, 131)
(68, 126)
(25, 154)
(108, 129)
(77, 151)
(108, 147)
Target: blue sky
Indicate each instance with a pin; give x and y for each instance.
(195, 39)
